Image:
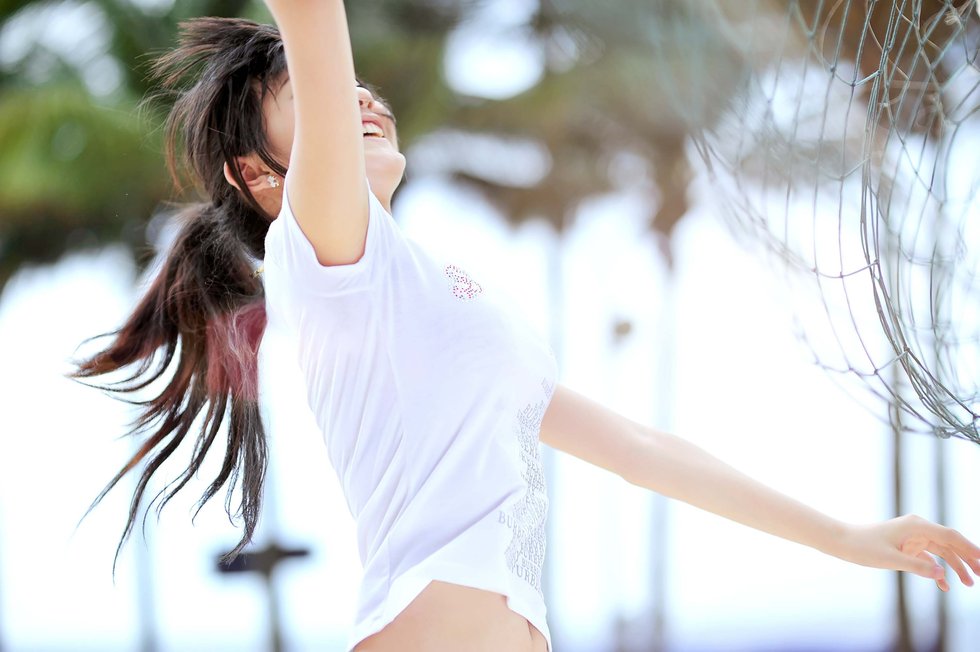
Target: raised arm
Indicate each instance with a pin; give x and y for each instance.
(327, 187)
(679, 469)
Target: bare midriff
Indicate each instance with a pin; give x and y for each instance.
(447, 617)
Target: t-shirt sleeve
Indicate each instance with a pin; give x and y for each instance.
(291, 256)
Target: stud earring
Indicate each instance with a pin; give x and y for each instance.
(273, 181)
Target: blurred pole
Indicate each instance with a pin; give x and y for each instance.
(660, 511)
(940, 224)
(145, 598)
(942, 515)
(942, 608)
(649, 635)
(145, 595)
(890, 250)
(276, 554)
(627, 632)
(556, 309)
(1, 594)
(264, 561)
(904, 631)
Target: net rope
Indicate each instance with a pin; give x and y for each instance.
(850, 147)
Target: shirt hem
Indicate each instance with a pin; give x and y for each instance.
(408, 586)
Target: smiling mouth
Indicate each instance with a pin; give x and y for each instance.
(372, 130)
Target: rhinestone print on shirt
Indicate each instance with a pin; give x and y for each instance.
(463, 287)
(526, 520)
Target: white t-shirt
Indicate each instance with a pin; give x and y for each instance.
(429, 394)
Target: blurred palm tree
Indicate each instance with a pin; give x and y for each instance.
(82, 170)
(625, 93)
(618, 100)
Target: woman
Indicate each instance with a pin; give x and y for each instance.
(431, 398)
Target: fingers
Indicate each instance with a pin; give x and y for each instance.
(953, 560)
(940, 582)
(946, 543)
(956, 549)
(974, 564)
(963, 547)
(920, 563)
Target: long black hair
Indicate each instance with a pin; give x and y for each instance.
(203, 316)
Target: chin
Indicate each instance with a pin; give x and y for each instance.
(385, 171)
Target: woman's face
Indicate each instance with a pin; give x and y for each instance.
(385, 163)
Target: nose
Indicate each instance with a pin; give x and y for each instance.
(364, 97)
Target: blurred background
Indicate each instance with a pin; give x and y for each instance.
(752, 224)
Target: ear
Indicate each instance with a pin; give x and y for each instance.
(254, 173)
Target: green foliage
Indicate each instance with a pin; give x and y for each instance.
(612, 73)
(81, 170)
(75, 174)
(60, 153)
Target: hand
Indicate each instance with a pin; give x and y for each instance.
(905, 544)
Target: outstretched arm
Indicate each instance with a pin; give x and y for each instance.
(679, 469)
(327, 175)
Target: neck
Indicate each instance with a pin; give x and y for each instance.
(384, 175)
(385, 199)
(383, 191)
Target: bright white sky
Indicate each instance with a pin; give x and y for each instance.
(739, 386)
(712, 356)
